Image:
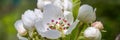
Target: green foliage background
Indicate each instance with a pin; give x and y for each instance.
(108, 12)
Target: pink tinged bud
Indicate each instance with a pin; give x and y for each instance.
(98, 25)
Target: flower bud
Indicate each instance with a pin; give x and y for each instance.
(92, 33)
(86, 14)
(19, 27)
(98, 25)
(29, 18)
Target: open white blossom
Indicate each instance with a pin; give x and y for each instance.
(29, 18)
(55, 22)
(86, 14)
(19, 27)
(92, 33)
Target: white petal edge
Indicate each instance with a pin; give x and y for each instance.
(68, 15)
(21, 38)
(19, 27)
(38, 13)
(52, 34)
(58, 3)
(72, 26)
(68, 5)
(28, 19)
(40, 4)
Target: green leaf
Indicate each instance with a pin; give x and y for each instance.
(76, 5)
(75, 8)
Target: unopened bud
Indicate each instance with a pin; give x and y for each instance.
(86, 14)
(98, 25)
(92, 33)
(19, 27)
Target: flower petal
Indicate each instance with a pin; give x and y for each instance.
(42, 3)
(21, 38)
(52, 34)
(19, 27)
(58, 3)
(51, 12)
(68, 5)
(28, 19)
(86, 14)
(38, 13)
(72, 26)
(92, 33)
(68, 15)
(40, 26)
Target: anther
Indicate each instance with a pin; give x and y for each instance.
(52, 20)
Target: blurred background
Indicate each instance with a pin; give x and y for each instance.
(108, 12)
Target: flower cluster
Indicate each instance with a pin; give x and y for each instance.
(53, 19)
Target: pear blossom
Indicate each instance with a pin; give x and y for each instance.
(86, 14)
(92, 33)
(55, 23)
(20, 28)
(29, 18)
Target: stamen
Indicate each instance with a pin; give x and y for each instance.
(64, 28)
(68, 24)
(64, 20)
(59, 18)
(60, 24)
(52, 20)
(56, 22)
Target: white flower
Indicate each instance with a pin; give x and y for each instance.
(55, 23)
(29, 18)
(92, 33)
(86, 14)
(21, 38)
(19, 27)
